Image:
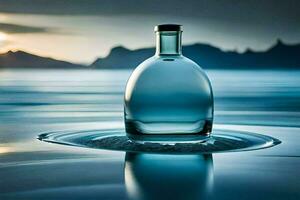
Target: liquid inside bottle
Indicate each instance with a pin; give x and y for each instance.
(168, 94)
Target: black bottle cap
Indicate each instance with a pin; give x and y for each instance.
(168, 27)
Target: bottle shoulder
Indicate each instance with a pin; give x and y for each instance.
(179, 76)
(176, 62)
(171, 64)
(175, 70)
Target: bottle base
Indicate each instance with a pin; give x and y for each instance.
(169, 131)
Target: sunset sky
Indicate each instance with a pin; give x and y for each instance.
(80, 31)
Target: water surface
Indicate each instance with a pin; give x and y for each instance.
(37, 101)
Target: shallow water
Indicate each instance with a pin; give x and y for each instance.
(34, 102)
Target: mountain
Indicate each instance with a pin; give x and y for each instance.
(280, 55)
(21, 59)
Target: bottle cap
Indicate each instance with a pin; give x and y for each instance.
(168, 27)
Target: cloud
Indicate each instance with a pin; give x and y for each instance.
(225, 11)
(174, 7)
(17, 28)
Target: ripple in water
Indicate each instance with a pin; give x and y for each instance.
(116, 139)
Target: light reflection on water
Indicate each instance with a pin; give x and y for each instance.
(5, 149)
(155, 176)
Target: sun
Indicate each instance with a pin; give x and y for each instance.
(3, 37)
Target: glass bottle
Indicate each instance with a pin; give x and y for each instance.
(168, 94)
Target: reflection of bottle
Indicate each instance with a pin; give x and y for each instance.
(157, 176)
(168, 93)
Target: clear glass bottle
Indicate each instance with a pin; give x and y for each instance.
(168, 94)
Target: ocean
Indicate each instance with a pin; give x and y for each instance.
(33, 102)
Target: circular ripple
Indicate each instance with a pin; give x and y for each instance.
(219, 141)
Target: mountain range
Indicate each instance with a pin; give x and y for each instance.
(21, 59)
(280, 55)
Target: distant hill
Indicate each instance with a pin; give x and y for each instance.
(280, 55)
(21, 59)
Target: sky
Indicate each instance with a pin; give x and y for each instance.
(82, 30)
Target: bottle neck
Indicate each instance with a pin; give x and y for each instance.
(168, 43)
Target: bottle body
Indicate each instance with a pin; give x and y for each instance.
(168, 94)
